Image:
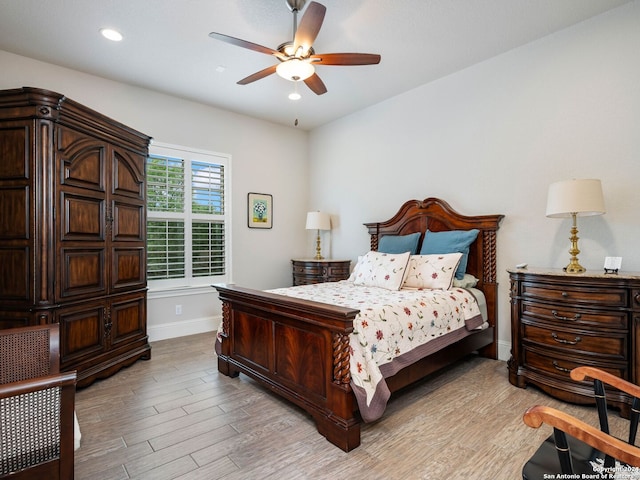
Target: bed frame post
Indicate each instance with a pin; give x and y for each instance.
(224, 366)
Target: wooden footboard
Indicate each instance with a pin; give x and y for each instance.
(297, 348)
(300, 350)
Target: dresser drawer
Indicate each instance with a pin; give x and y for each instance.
(576, 295)
(579, 317)
(561, 365)
(564, 340)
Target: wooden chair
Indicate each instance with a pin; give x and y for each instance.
(576, 447)
(36, 406)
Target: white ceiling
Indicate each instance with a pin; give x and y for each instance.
(167, 48)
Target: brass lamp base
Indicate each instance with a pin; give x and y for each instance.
(574, 266)
(318, 249)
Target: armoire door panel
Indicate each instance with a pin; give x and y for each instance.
(15, 274)
(14, 152)
(83, 218)
(128, 174)
(128, 222)
(129, 267)
(81, 331)
(14, 212)
(82, 160)
(127, 314)
(82, 272)
(15, 319)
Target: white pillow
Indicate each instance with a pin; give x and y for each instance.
(434, 271)
(354, 273)
(384, 270)
(468, 281)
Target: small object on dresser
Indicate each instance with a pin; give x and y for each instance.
(612, 264)
(521, 265)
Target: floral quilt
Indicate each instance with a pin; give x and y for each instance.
(392, 330)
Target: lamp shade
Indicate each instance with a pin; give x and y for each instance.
(578, 196)
(318, 221)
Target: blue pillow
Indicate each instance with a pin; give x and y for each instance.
(399, 243)
(451, 241)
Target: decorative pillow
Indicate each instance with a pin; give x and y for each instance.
(399, 243)
(432, 271)
(385, 270)
(355, 270)
(450, 242)
(468, 281)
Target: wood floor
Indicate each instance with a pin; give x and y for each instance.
(175, 417)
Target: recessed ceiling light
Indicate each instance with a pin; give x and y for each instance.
(111, 34)
(295, 96)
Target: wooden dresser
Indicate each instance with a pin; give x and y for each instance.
(73, 233)
(560, 321)
(308, 271)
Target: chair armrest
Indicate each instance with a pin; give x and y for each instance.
(66, 382)
(580, 373)
(39, 383)
(537, 415)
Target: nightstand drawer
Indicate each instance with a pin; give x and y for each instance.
(575, 295)
(309, 269)
(579, 317)
(611, 347)
(306, 272)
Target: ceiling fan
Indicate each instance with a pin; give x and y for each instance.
(297, 57)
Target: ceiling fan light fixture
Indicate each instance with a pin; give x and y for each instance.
(111, 34)
(295, 70)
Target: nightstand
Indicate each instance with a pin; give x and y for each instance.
(560, 321)
(308, 271)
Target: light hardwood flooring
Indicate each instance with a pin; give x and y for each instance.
(175, 417)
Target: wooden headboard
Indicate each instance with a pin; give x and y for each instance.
(437, 215)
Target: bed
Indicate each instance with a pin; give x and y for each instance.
(300, 348)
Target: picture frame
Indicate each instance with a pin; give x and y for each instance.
(259, 210)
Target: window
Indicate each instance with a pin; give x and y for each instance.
(188, 214)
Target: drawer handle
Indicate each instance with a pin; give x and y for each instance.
(565, 294)
(577, 316)
(562, 369)
(566, 342)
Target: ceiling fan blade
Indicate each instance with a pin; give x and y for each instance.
(309, 27)
(258, 75)
(345, 59)
(244, 44)
(315, 84)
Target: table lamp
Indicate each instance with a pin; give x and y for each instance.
(318, 221)
(572, 198)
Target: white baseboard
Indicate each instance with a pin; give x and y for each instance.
(504, 350)
(182, 329)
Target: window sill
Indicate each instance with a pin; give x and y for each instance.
(166, 292)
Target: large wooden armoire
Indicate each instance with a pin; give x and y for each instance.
(73, 229)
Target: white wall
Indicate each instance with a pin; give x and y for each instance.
(266, 158)
(491, 138)
(565, 106)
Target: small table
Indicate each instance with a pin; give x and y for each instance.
(309, 271)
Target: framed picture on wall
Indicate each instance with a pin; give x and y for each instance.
(260, 210)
